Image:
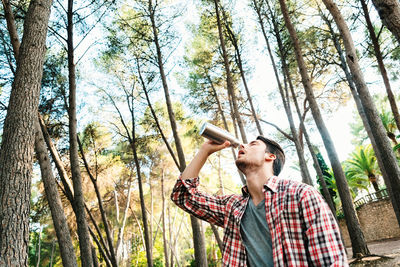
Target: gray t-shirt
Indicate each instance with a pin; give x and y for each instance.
(256, 236)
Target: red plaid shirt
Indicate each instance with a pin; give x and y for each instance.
(303, 229)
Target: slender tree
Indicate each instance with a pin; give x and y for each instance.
(383, 146)
(198, 235)
(238, 58)
(356, 235)
(381, 65)
(84, 238)
(53, 198)
(306, 178)
(16, 152)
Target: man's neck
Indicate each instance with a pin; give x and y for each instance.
(255, 184)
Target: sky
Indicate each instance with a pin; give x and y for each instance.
(261, 83)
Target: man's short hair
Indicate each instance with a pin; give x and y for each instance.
(274, 148)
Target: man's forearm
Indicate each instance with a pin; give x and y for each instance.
(193, 169)
(209, 147)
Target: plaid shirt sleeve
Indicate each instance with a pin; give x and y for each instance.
(206, 207)
(322, 232)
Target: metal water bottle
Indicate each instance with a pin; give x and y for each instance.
(218, 135)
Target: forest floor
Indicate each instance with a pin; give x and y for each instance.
(389, 249)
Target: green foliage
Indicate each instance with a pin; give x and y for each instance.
(329, 179)
(362, 166)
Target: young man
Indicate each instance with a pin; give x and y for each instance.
(275, 222)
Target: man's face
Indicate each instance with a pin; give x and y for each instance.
(251, 155)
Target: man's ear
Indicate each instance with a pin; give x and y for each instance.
(269, 156)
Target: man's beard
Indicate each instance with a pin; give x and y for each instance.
(243, 165)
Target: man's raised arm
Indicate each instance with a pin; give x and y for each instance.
(186, 196)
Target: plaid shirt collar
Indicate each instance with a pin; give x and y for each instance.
(271, 184)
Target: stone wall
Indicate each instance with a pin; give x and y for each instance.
(378, 221)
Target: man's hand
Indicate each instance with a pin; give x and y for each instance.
(209, 147)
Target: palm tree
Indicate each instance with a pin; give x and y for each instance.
(363, 166)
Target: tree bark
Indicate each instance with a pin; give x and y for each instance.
(383, 146)
(381, 66)
(16, 153)
(198, 236)
(53, 198)
(229, 83)
(356, 235)
(389, 12)
(82, 225)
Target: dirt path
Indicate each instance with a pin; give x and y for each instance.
(389, 248)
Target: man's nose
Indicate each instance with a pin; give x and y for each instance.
(241, 146)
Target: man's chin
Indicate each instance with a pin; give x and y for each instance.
(241, 164)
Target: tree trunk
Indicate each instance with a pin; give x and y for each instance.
(305, 174)
(356, 235)
(382, 69)
(389, 12)
(238, 58)
(82, 225)
(382, 143)
(198, 236)
(101, 207)
(39, 247)
(16, 153)
(147, 236)
(53, 244)
(11, 27)
(231, 89)
(53, 198)
(164, 229)
(288, 80)
(121, 230)
(221, 112)
(356, 97)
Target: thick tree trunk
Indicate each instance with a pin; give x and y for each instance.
(381, 66)
(82, 225)
(229, 83)
(389, 12)
(53, 198)
(305, 174)
(383, 146)
(16, 153)
(198, 236)
(356, 235)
